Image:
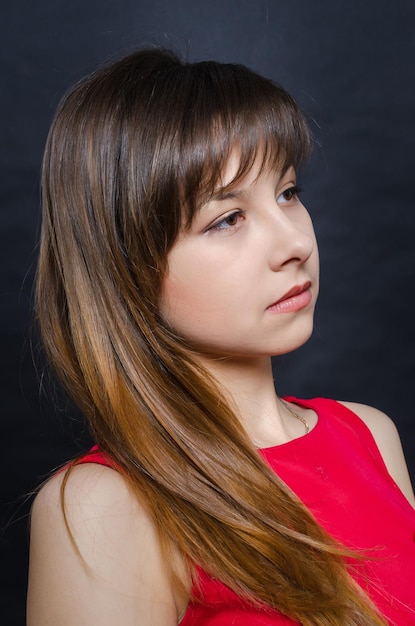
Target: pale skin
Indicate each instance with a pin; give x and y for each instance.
(122, 577)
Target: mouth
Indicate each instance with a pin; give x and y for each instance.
(295, 299)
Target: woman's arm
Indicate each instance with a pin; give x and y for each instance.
(119, 577)
(387, 438)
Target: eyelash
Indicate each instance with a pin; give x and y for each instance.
(293, 191)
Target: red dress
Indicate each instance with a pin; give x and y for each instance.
(338, 472)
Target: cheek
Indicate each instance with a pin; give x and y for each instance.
(308, 228)
(180, 297)
(189, 284)
(175, 280)
(196, 300)
(316, 256)
(170, 296)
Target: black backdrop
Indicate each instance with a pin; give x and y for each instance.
(351, 66)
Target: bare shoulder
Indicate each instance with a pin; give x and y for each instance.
(378, 422)
(111, 570)
(387, 439)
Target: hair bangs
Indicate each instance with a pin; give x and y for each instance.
(235, 110)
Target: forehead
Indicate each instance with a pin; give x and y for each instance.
(237, 173)
(239, 168)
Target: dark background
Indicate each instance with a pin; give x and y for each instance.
(351, 66)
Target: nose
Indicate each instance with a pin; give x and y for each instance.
(291, 237)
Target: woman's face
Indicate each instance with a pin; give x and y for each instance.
(243, 280)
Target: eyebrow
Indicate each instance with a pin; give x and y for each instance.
(222, 194)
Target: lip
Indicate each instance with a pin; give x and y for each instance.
(298, 297)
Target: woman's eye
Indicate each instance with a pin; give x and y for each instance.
(227, 222)
(289, 194)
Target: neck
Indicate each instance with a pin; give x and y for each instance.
(249, 388)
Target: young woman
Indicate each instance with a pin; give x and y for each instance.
(176, 259)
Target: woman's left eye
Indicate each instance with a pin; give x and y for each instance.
(289, 194)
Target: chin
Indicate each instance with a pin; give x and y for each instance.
(290, 344)
(275, 344)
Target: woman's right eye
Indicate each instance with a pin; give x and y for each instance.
(228, 222)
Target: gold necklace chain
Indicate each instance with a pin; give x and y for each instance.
(294, 414)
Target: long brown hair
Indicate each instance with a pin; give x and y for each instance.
(133, 151)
